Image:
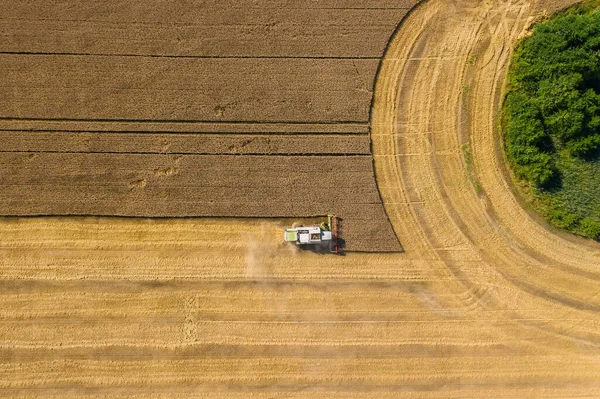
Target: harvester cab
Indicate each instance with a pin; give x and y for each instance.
(325, 235)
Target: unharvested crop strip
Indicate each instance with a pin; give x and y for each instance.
(175, 132)
(185, 121)
(221, 127)
(187, 143)
(189, 90)
(267, 29)
(172, 185)
(245, 154)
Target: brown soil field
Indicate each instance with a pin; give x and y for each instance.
(486, 300)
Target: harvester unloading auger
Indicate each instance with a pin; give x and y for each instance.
(325, 235)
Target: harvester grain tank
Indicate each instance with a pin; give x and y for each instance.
(325, 235)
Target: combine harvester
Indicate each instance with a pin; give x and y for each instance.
(325, 235)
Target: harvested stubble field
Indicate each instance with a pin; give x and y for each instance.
(485, 302)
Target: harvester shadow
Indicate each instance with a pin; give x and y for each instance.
(324, 250)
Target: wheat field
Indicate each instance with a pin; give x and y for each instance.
(486, 300)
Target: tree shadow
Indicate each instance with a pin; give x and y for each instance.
(592, 156)
(555, 183)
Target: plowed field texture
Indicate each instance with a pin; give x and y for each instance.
(152, 152)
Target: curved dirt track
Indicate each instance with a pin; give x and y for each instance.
(484, 303)
(436, 100)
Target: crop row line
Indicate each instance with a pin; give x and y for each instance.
(225, 57)
(262, 154)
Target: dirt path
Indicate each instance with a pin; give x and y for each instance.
(442, 176)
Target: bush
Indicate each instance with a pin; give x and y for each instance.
(564, 219)
(553, 101)
(590, 228)
(551, 117)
